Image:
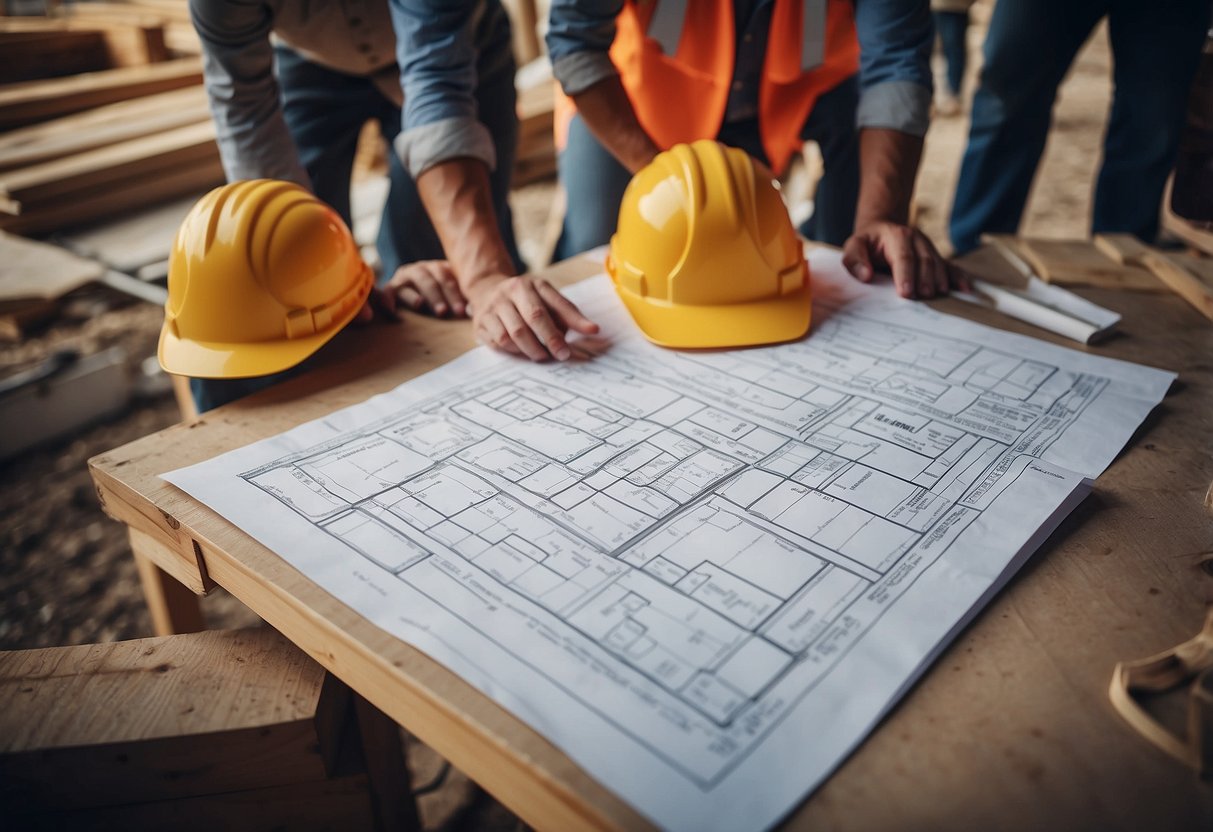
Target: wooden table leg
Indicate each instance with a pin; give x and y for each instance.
(386, 768)
(185, 399)
(174, 608)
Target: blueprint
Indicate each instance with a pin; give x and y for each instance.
(703, 575)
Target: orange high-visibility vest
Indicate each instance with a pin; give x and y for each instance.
(676, 60)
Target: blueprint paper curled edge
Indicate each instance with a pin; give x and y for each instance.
(704, 576)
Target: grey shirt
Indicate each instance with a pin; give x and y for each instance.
(351, 36)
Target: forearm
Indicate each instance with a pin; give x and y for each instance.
(458, 199)
(888, 166)
(609, 115)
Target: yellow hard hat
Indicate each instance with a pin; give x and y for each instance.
(261, 275)
(705, 254)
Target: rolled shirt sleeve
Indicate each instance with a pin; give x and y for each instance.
(895, 39)
(443, 49)
(238, 70)
(579, 38)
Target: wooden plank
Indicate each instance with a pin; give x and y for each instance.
(185, 715)
(27, 103)
(989, 264)
(102, 126)
(1185, 284)
(176, 10)
(136, 45)
(1124, 249)
(159, 539)
(105, 201)
(278, 684)
(48, 54)
(175, 552)
(1202, 267)
(173, 607)
(32, 271)
(131, 39)
(125, 160)
(340, 803)
(182, 39)
(179, 34)
(1080, 263)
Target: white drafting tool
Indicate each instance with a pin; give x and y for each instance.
(705, 576)
(1042, 304)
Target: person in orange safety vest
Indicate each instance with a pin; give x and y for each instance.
(764, 76)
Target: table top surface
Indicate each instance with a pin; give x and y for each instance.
(1011, 727)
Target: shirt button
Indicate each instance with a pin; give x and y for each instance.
(738, 86)
(747, 38)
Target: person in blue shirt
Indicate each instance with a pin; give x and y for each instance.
(450, 153)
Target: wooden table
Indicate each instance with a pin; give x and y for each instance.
(1012, 727)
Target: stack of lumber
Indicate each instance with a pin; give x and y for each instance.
(109, 159)
(132, 131)
(231, 730)
(172, 15)
(40, 47)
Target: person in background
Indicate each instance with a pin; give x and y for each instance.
(1028, 50)
(292, 108)
(952, 26)
(763, 76)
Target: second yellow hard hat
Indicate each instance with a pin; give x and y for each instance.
(262, 274)
(705, 254)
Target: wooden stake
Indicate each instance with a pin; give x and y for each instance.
(1182, 282)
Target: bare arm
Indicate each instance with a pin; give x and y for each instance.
(458, 200)
(888, 164)
(609, 115)
(522, 315)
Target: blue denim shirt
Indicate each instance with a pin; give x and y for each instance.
(895, 39)
(444, 47)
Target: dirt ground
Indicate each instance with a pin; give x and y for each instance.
(66, 575)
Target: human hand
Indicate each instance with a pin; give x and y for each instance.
(525, 316)
(427, 286)
(917, 267)
(378, 304)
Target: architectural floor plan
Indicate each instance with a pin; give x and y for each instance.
(721, 567)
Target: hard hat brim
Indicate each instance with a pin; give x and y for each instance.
(211, 359)
(771, 321)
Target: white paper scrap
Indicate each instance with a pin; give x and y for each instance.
(704, 575)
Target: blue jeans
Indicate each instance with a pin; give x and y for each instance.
(1029, 48)
(594, 181)
(324, 111)
(951, 27)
